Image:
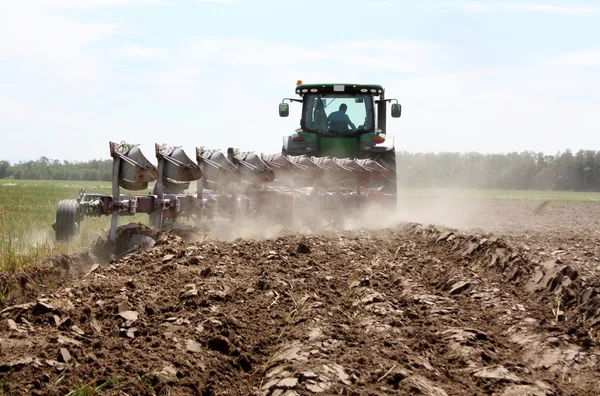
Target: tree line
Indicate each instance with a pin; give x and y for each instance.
(47, 169)
(527, 170)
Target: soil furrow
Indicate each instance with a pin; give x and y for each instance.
(393, 311)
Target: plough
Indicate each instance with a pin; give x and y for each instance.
(321, 172)
(227, 185)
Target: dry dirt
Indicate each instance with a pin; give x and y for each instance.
(505, 303)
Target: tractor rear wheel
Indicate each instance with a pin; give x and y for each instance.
(68, 217)
(390, 185)
(389, 161)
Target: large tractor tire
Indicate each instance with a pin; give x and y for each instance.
(68, 218)
(390, 186)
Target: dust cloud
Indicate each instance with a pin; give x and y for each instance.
(36, 240)
(458, 213)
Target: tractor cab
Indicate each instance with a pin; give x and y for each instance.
(340, 120)
(341, 109)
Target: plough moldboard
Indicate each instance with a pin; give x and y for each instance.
(232, 185)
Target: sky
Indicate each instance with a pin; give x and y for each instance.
(485, 76)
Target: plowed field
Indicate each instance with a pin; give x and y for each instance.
(481, 297)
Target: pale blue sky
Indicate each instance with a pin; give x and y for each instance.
(471, 75)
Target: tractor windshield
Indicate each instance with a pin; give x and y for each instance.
(338, 113)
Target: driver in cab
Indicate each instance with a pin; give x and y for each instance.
(339, 120)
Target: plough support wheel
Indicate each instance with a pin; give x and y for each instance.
(68, 216)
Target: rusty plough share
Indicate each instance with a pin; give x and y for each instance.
(230, 185)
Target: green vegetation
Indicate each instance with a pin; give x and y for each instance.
(27, 211)
(91, 388)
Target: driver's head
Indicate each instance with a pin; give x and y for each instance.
(343, 107)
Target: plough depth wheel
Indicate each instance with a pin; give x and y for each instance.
(68, 216)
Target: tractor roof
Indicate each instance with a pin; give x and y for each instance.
(375, 89)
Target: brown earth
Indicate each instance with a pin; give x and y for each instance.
(506, 303)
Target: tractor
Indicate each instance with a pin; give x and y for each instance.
(346, 123)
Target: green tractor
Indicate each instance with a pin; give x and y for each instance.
(346, 121)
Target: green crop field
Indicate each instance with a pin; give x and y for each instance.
(27, 211)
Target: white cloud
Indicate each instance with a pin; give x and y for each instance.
(378, 4)
(242, 63)
(140, 52)
(42, 36)
(13, 111)
(35, 35)
(218, 1)
(487, 7)
(575, 59)
(76, 4)
(496, 110)
(25, 112)
(51, 43)
(390, 55)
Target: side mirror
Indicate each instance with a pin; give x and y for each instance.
(284, 109)
(396, 110)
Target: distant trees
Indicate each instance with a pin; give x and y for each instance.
(513, 171)
(4, 165)
(46, 169)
